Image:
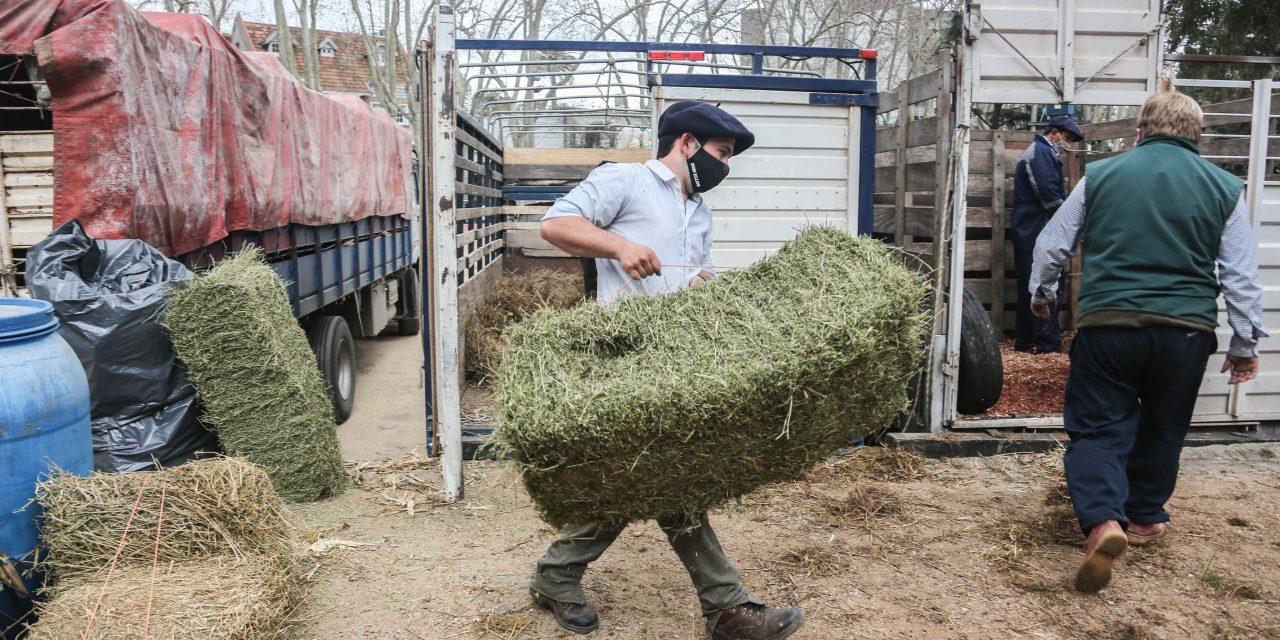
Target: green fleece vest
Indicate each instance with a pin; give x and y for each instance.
(1153, 224)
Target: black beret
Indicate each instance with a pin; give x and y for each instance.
(1066, 125)
(704, 120)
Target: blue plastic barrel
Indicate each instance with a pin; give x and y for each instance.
(44, 423)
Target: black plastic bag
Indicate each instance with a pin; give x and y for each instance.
(109, 295)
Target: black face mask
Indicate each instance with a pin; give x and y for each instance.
(705, 171)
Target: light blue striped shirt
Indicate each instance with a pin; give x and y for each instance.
(645, 204)
(1237, 267)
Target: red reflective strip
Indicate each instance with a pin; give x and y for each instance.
(867, 54)
(691, 56)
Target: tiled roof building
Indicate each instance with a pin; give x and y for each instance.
(341, 57)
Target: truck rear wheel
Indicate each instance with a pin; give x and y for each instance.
(981, 366)
(410, 322)
(335, 351)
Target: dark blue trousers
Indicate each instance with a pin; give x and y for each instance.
(1130, 395)
(1030, 331)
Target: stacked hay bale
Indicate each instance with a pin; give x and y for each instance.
(678, 403)
(262, 391)
(205, 550)
(513, 298)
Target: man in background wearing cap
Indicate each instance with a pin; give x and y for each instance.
(1164, 231)
(1039, 187)
(649, 230)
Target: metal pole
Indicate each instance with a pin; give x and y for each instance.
(959, 218)
(1259, 130)
(447, 407)
(425, 227)
(8, 280)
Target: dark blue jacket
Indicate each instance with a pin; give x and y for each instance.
(1039, 185)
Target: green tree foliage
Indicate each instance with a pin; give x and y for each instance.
(1224, 27)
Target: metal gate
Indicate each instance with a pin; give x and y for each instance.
(1258, 400)
(811, 165)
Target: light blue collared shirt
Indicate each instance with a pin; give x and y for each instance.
(645, 204)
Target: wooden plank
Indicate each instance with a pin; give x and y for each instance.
(551, 172)
(1075, 163)
(8, 281)
(26, 231)
(27, 163)
(36, 179)
(917, 177)
(26, 143)
(30, 197)
(887, 141)
(521, 225)
(944, 123)
(919, 89)
(982, 288)
(900, 171)
(981, 160)
(978, 218)
(475, 291)
(977, 255)
(999, 222)
(530, 243)
(924, 86)
(476, 256)
(478, 169)
(888, 103)
(919, 221)
(919, 133)
(471, 213)
(980, 187)
(465, 189)
(471, 141)
(1125, 128)
(1010, 137)
(1234, 147)
(582, 157)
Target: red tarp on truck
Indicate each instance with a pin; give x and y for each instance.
(167, 133)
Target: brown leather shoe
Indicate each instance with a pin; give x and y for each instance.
(578, 618)
(757, 622)
(1140, 534)
(1106, 542)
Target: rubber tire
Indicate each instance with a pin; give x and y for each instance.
(981, 376)
(410, 322)
(335, 350)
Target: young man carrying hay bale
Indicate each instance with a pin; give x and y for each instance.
(649, 230)
(1156, 223)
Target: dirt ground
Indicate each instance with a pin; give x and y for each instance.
(873, 546)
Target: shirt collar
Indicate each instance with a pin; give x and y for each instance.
(663, 171)
(1170, 140)
(665, 174)
(1052, 146)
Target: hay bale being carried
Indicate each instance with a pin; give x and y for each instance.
(257, 376)
(678, 403)
(512, 299)
(202, 551)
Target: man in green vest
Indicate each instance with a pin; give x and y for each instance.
(1156, 222)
